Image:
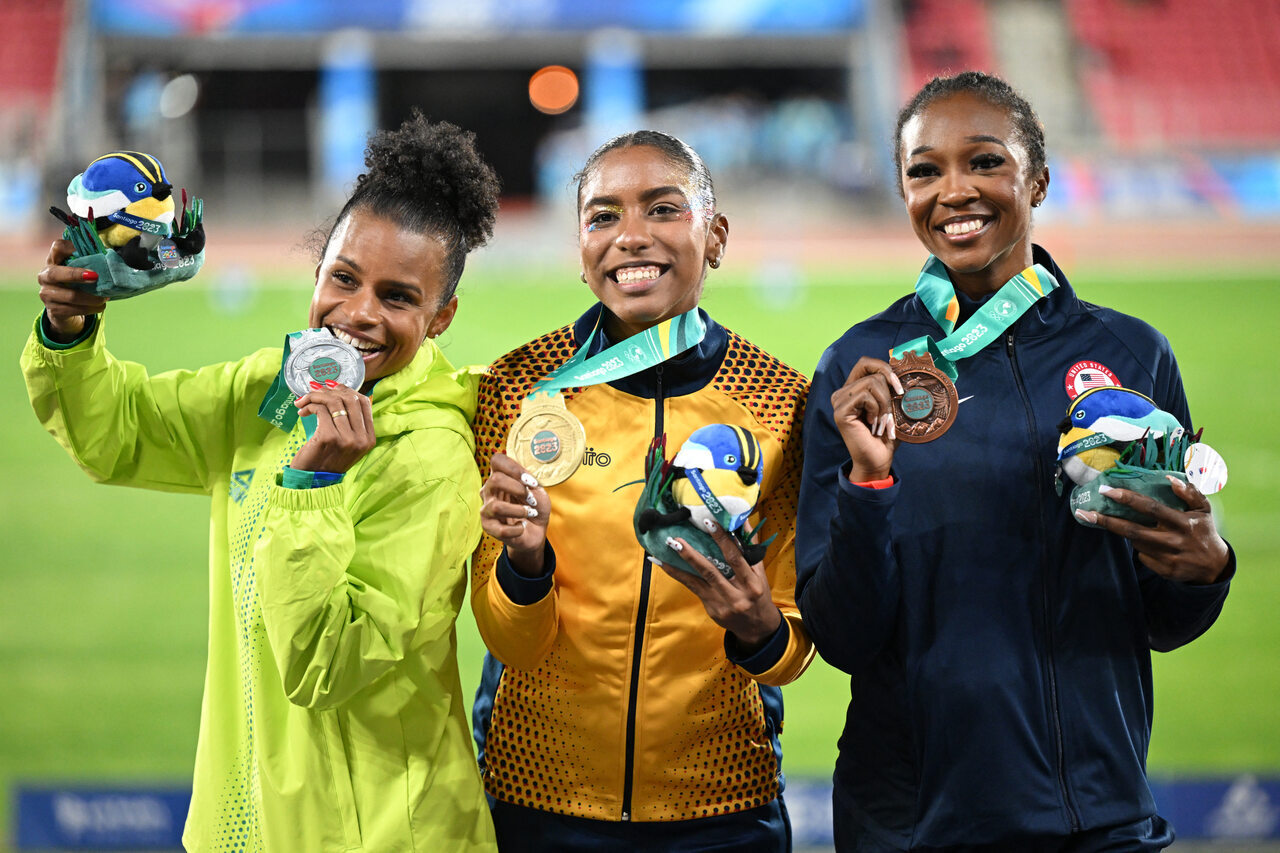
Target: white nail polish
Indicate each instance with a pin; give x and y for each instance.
(655, 562)
(528, 480)
(1105, 489)
(531, 512)
(674, 545)
(711, 526)
(530, 499)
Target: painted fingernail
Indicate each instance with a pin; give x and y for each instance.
(531, 512)
(896, 383)
(674, 545)
(891, 425)
(1086, 515)
(877, 427)
(315, 386)
(528, 480)
(530, 499)
(711, 526)
(329, 383)
(655, 562)
(88, 275)
(1105, 489)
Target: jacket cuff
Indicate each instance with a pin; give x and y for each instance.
(307, 499)
(524, 590)
(852, 491)
(44, 332)
(766, 657)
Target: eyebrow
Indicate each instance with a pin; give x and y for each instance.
(982, 137)
(404, 285)
(647, 195)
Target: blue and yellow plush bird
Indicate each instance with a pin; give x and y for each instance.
(1100, 426)
(724, 461)
(717, 476)
(131, 202)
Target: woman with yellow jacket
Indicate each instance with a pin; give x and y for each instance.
(630, 704)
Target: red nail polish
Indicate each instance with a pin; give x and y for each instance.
(330, 383)
(89, 275)
(316, 386)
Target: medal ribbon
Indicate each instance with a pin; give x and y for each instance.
(991, 319)
(638, 352)
(277, 407)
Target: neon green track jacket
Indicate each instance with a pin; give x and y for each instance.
(333, 717)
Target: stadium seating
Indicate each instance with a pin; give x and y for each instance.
(944, 37)
(1181, 72)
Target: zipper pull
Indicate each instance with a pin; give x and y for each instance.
(626, 816)
(1008, 344)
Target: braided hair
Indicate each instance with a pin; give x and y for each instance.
(429, 179)
(1028, 130)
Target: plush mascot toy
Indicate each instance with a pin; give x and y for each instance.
(715, 476)
(123, 226)
(1120, 438)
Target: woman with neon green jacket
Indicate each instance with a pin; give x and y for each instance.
(332, 717)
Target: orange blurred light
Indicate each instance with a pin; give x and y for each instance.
(553, 89)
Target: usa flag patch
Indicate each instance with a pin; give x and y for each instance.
(1084, 375)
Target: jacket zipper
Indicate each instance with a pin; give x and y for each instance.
(1054, 710)
(637, 647)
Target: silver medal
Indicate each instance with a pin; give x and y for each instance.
(317, 356)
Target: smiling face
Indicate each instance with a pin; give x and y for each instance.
(379, 288)
(645, 235)
(969, 190)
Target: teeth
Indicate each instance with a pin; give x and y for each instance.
(963, 227)
(628, 275)
(362, 346)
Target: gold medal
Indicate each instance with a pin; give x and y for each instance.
(547, 439)
(927, 407)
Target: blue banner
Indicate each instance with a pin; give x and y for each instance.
(294, 17)
(100, 818)
(1244, 808)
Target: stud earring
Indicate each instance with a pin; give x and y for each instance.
(714, 263)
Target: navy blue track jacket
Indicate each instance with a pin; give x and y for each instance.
(999, 651)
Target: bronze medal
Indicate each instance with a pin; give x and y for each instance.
(927, 407)
(547, 439)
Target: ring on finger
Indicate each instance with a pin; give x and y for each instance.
(723, 568)
(341, 413)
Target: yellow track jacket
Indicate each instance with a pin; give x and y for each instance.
(332, 715)
(618, 700)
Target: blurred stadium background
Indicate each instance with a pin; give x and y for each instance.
(1164, 137)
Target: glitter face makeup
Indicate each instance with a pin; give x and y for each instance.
(646, 237)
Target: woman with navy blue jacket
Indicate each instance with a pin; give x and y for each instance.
(999, 651)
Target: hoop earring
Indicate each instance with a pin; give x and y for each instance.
(582, 276)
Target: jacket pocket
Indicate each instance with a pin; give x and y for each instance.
(340, 771)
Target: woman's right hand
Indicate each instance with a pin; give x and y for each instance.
(66, 307)
(516, 511)
(863, 412)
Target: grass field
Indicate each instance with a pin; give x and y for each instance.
(102, 641)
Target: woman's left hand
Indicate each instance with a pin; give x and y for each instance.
(1183, 546)
(736, 595)
(344, 430)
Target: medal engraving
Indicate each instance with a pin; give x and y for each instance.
(547, 439)
(319, 357)
(927, 407)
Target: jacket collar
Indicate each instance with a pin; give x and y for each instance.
(1044, 318)
(681, 375)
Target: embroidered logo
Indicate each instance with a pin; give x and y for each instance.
(1084, 375)
(240, 482)
(596, 458)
